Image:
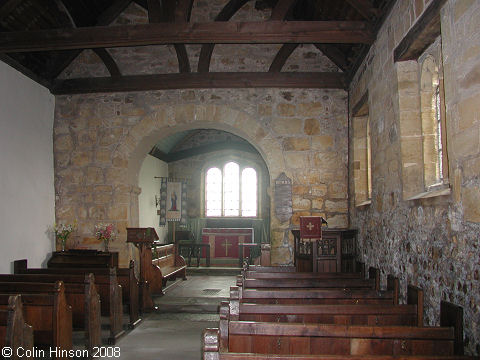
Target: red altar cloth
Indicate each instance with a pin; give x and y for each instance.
(224, 241)
(310, 227)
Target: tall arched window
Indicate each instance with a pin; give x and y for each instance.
(431, 123)
(231, 191)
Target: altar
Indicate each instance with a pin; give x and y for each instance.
(224, 242)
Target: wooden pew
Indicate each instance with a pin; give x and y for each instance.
(125, 277)
(386, 314)
(83, 258)
(80, 293)
(272, 269)
(328, 339)
(318, 296)
(251, 274)
(101, 292)
(169, 265)
(15, 333)
(301, 282)
(46, 310)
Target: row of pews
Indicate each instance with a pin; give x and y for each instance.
(278, 313)
(51, 303)
(79, 288)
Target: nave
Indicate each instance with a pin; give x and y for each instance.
(174, 330)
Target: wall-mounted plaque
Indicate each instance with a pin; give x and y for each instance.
(283, 197)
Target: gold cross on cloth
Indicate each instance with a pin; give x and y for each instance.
(310, 226)
(226, 245)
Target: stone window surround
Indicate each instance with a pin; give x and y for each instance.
(243, 163)
(409, 75)
(362, 159)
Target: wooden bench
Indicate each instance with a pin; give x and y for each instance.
(169, 264)
(386, 314)
(328, 339)
(251, 274)
(125, 277)
(83, 258)
(269, 269)
(46, 310)
(103, 293)
(15, 333)
(301, 282)
(81, 294)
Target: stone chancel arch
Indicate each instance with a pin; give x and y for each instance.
(101, 141)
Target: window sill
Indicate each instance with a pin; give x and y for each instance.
(364, 203)
(443, 191)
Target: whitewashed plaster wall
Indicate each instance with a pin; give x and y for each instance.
(150, 186)
(27, 206)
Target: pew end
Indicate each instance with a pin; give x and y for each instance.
(374, 273)
(210, 344)
(452, 315)
(393, 285)
(415, 297)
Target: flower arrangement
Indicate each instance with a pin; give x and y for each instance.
(105, 233)
(63, 231)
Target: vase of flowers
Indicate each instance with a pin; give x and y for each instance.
(105, 233)
(62, 232)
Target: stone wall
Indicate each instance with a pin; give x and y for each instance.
(430, 242)
(192, 169)
(100, 142)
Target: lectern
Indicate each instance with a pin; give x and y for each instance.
(143, 239)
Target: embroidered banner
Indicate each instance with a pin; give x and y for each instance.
(173, 201)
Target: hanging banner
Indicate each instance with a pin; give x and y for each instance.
(173, 201)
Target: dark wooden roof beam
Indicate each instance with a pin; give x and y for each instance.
(107, 59)
(313, 80)
(281, 58)
(7, 7)
(183, 10)
(365, 8)
(281, 10)
(334, 54)
(224, 15)
(264, 32)
(155, 13)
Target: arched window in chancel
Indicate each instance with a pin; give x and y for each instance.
(213, 192)
(232, 191)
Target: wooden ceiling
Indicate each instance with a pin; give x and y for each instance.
(41, 38)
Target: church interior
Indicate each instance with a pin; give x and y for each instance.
(183, 143)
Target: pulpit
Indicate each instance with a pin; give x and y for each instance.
(226, 242)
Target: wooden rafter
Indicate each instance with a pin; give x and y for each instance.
(334, 54)
(103, 19)
(224, 15)
(188, 33)
(155, 13)
(200, 81)
(109, 62)
(364, 8)
(281, 58)
(7, 7)
(183, 10)
(165, 11)
(282, 8)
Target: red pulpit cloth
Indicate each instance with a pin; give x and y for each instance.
(310, 227)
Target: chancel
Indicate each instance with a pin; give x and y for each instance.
(325, 152)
